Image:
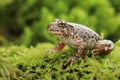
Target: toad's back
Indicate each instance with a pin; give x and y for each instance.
(72, 34)
(84, 33)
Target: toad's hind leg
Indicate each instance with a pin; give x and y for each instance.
(81, 51)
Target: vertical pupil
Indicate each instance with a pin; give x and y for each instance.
(62, 23)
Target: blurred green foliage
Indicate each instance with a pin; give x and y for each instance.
(25, 21)
(35, 63)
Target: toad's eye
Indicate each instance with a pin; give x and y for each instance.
(62, 24)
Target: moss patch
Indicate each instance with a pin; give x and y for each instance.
(35, 63)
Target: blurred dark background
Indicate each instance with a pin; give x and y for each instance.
(25, 21)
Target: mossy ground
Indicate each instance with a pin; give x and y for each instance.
(35, 63)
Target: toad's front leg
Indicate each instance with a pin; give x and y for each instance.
(58, 47)
(81, 51)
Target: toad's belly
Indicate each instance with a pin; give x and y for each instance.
(75, 44)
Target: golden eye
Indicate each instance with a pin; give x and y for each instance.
(62, 24)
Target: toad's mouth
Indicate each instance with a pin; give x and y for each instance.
(55, 32)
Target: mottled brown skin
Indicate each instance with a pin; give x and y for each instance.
(79, 37)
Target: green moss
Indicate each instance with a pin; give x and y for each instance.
(36, 63)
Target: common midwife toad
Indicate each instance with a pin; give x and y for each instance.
(79, 37)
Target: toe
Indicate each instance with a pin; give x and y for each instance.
(70, 61)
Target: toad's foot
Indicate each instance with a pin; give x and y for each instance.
(70, 61)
